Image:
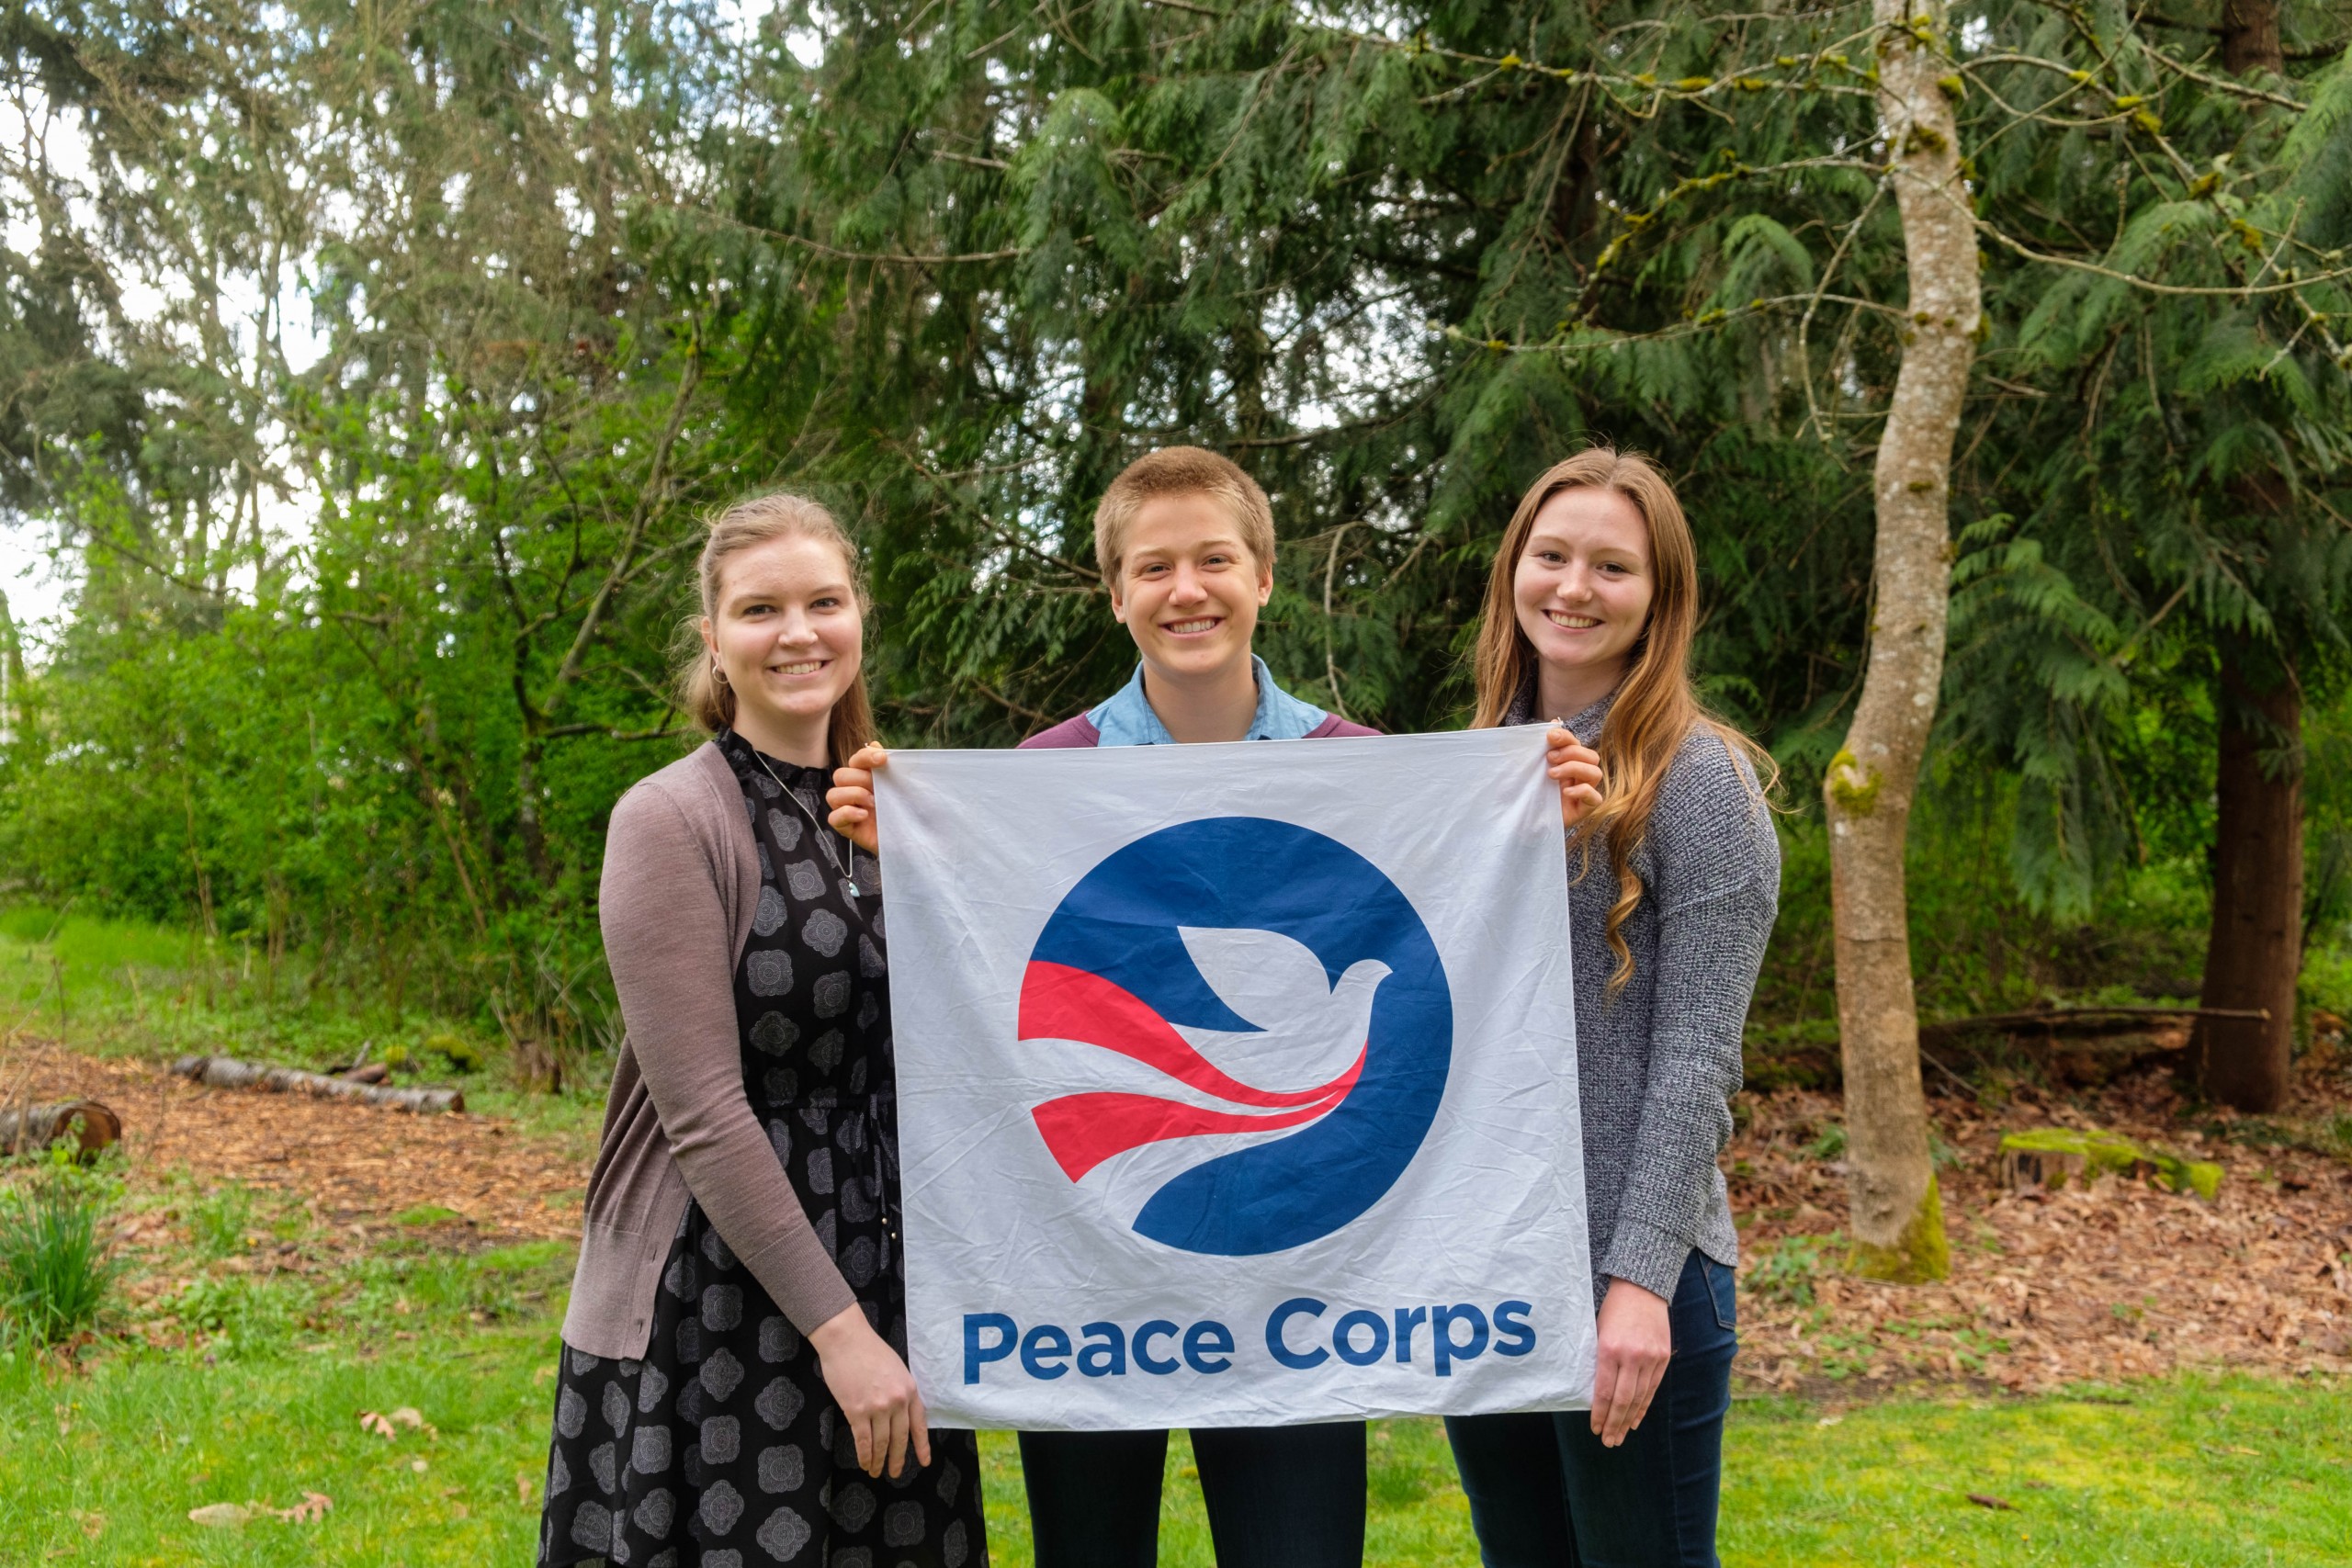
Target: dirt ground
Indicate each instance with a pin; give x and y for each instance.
(356, 1168)
(2115, 1281)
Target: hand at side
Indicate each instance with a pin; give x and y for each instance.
(1635, 1340)
(875, 1391)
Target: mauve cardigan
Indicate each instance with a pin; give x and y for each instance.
(682, 879)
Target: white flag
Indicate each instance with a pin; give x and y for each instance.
(1236, 1083)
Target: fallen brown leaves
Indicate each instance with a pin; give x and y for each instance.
(2118, 1281)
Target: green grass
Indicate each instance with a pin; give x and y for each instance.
(235, 1385)
(127, 985)
(102, 1465)
(116, 987)
(54, 1271)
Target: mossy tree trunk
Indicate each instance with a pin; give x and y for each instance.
(2255, 953)
(1897, 1217)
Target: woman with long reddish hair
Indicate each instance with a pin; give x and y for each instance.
(1674, 873)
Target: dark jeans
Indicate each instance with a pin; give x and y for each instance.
(1545, 1494)
(1278, 1497)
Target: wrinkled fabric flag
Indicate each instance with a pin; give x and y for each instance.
(1236, 1083)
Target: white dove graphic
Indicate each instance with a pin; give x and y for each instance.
(1312, 1031)
(1296, 1066)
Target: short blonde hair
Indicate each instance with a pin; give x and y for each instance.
(1180, 470)
(754, 520)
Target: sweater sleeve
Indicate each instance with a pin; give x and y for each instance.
(667, 940)
(1718, 868)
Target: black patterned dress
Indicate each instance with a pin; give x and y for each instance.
(723, 1448)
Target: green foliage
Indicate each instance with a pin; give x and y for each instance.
(237, 1315)
(55, 1268)
(113, 984)
(1787, 1271)
(218, 1221)
(581, 270)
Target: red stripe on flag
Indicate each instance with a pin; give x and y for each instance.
(1062, 1003)
(1081, 1131)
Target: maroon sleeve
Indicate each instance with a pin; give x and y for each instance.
(1334, 727)
(1068, 735)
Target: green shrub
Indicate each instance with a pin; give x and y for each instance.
(1786, 1274)
(54, 1268)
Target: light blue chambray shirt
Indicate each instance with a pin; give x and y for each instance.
(1127, 719)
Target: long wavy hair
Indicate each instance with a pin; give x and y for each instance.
(776, 514)
(1656, 708)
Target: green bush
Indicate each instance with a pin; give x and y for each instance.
(54, 1268)
(1786, 1274)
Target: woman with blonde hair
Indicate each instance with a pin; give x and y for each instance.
(1674, 873)
(733, 1387)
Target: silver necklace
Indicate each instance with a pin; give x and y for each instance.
(849, 878)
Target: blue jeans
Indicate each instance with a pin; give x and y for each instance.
(1277, 1496)
(1545, 1494)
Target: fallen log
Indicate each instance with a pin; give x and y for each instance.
(2052, 1157)
(2074, 1020)
(227, 1072)
(93, 1125)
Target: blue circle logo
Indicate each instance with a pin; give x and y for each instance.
(1113, 969)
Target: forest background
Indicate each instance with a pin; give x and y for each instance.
(368, 373)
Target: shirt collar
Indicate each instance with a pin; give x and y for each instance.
(1585, 724)
(1127, 719)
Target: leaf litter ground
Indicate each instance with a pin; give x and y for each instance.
(2119, 1280)
(2116, 1281)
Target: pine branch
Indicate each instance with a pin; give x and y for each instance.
(835, 253)
(2186, 290)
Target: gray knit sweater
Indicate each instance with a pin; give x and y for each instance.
(1657, 1063)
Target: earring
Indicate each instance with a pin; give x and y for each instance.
(718, 672)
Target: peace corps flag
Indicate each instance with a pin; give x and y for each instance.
(1236, 1083)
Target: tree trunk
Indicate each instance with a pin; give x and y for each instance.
(2255, 954)
(1897, 1214)
(2250, 36)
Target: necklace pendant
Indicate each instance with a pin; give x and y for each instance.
(853, 889)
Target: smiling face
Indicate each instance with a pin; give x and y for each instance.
(789, 635)
(1583, 584)
(1188, 589)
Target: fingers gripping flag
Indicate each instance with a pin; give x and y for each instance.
(1237, 1083)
